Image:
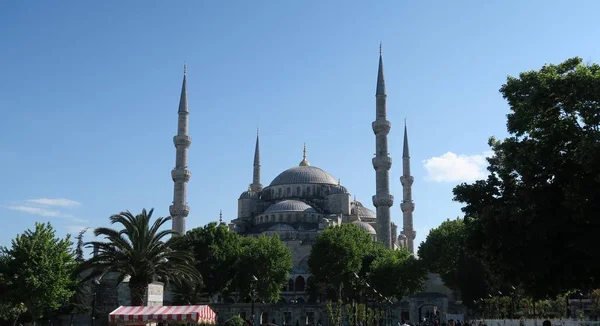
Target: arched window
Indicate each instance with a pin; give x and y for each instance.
(298, 191)
(300, 284)
(291, 285)
(308, 191)
(279, 192)
(289, 191)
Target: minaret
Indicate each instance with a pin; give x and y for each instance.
(407, 204)
(256, 186)
(180, 174)
(382, 162)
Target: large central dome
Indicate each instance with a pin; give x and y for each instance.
(304, 174)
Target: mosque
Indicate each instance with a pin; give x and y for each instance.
(297, 205)
(301, 202)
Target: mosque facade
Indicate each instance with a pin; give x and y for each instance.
(302, 202)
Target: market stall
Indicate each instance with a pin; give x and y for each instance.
(140, 315)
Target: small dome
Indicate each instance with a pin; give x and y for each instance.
(365, 227)
(304, 174)
(363, 212)
(281, 227)
(290, 206)
(338, 190)
(248, 194)
(402, 237)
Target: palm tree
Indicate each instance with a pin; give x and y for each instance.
(140, 252)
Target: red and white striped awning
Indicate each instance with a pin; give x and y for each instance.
(197, 314)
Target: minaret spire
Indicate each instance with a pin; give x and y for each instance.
(382, 162)
(407, 205)
(256, 186)
(180, 174)
(304, 161)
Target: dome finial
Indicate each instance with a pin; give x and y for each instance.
(220, 216)
(339, 182)
(304, 161)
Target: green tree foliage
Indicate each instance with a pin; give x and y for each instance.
(38, 269)
(139, 250)
(235, 321)
(535, 218)
(268, 259)
(341, 251)
(79, 302)
(337, 253)
(396, 273)
(216, 250)
(444, 252)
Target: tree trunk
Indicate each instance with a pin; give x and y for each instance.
(138, 291)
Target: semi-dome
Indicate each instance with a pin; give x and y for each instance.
(363, 212)
(365, 227)
(290, 206)
(304, 174)
(282, 227)
(248, 194)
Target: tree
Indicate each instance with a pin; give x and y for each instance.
(216, 250)
(268, 259)
(235, 321)
(444, 252)
(534, 219)
(79, 302)
(139, 250)
(39, 266)
(396, 273)
(337, 253)
(595, 298)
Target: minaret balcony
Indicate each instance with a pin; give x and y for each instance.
(179, 210)
(407, 180)
(181, 174)
(407, 206)
(381, 127)
(383, 200)
(182, 140)
(382, 162)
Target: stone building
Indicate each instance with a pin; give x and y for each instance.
(297, 205)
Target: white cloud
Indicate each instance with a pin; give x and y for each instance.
(47, 207)
(36, 211)
(60, 202)
(451, 167)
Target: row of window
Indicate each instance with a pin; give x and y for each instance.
(287, 218)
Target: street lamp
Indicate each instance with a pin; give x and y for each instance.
(253, 281)
(581, 304)
(512, 302)
(95, 286)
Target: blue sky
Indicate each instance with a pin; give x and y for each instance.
(89, 94)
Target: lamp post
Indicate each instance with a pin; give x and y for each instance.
(581, 305)
(482, 308)
(512, 302)
(356, 302)
(95, 286)
(253, 281)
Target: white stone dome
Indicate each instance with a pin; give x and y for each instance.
(365, 227)
(290, 206)
(304, 174)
